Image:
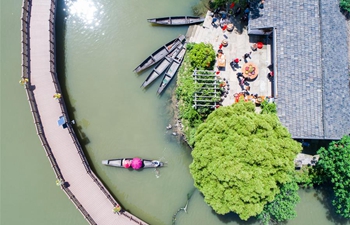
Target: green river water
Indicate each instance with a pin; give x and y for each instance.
(99, 43)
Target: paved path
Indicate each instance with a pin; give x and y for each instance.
(239, 43)
(81, 183)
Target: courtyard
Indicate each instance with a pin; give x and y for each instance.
(238, 43)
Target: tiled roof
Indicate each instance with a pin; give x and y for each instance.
(313, 89)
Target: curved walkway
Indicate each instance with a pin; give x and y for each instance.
(64, 152)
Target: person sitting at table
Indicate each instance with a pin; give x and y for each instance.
(222, 22)
(254, 47)
(213, 22)
(246, 90)
(236, 62)
(239, 75)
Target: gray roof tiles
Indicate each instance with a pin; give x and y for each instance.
(312, 66)
(335, 71)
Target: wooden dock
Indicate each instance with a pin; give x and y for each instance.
(39, 77)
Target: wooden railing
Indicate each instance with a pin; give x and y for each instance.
(25, 40)
(26, 13)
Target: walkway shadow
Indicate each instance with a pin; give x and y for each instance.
(61, 72)
(83, 139)
(325, 195)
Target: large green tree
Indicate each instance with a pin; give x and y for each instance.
(241, 158)
(334, 165)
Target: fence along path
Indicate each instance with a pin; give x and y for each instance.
(62, 148)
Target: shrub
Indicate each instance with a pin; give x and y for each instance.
(202, 56)
(345, 5)
(334, 164)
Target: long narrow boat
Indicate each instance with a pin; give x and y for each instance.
(172, 70)
(160, 53)
(133, 163)
(177, 20)
(162, 66)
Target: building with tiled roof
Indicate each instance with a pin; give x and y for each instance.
(310, 64)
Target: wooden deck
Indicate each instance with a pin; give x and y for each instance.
(64, 152)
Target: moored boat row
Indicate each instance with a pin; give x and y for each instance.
(170, 55)
(162, 66)
(172, 70)
(160, 53)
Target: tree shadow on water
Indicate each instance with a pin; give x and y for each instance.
(60, 40)
(324, 194)
(233, 217)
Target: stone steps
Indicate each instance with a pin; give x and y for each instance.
(189, 33)
(194, 33)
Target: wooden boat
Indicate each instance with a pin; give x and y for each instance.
(162, 66)
(129, 163)
(160, 53)
(172, 70)
(177, 20)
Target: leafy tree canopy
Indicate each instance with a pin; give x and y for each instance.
(334, 163)
(202, 56)
(345, 5)
(267, 107)
(283, 207)
(240, 159)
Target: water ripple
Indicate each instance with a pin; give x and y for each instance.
(88, 12)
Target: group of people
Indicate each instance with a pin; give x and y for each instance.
(235, 62)
(247, 96)
(242, 80)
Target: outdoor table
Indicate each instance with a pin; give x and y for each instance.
(250, 71)
(221, 60)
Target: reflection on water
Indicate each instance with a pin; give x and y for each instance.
(85, 11)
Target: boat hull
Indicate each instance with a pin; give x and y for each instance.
(162, 66)
(172, 70)
(176, 20)
(146, 163)
(159, 54)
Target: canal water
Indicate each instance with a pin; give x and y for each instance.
(100, 42)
